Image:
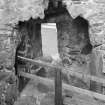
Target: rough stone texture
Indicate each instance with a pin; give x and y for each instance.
(74, 46)
(13, 11)
(85, 8)
(72, 38)
(94, 12)
(8, 88)
(8, 43)
(70, 42)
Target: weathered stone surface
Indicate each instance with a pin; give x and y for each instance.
(74, 47)
(71, 42)
(73, 37)
(93, 11)
(85, 8)
(13, 11)
(8, 43)
(8, 89)
(97, 33)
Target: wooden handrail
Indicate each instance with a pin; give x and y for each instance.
(50, 83)
(65, 70)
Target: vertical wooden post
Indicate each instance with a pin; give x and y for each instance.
(58, 87)
(96, 70)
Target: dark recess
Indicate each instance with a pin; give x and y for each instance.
(82, 26)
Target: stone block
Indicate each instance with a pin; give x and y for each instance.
(7, 47)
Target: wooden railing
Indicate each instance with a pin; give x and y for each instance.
(59, 86)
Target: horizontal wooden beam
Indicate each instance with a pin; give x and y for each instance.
(50, 83)
(39, 62)
(65, 70)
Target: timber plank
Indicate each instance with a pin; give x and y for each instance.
(65, 70)
(49, 82)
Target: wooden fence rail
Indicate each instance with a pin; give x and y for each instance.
(65, 70)
(50, 83)
(63, 86)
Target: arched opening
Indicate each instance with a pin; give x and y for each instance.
(74, 46)
(82, 27)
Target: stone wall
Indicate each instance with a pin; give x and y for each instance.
(71, 42)
(94, 12)
(73, 37)
(8, 81)
(74, 46)
(8, 43)
(11, 12)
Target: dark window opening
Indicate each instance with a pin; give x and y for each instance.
(82, 27)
